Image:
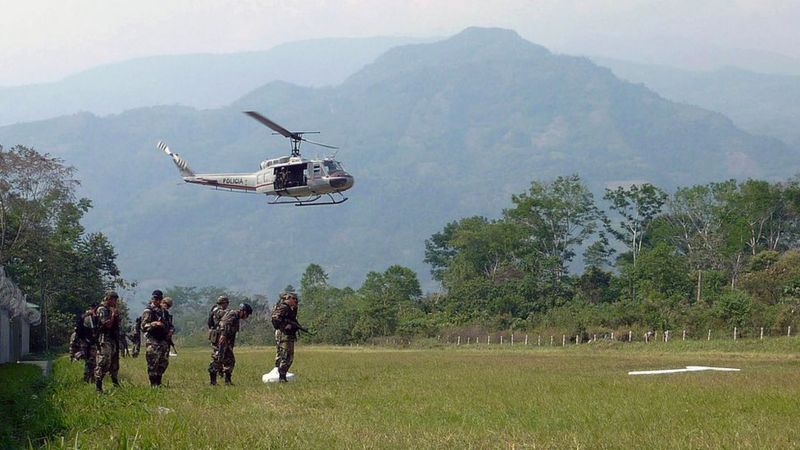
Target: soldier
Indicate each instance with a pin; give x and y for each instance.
(214, 318)
(157, 332)
(284, 319)
(136, 337)
(107, 341)
(229, 326)
(166, 304)
(86, 332)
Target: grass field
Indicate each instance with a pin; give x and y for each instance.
(573, 397)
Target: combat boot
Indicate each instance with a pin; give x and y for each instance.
(228, 381)
(115, 381)
(98, 384)
(153, 382)
(213, 376)
(282, 378)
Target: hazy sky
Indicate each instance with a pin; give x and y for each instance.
(45, 40)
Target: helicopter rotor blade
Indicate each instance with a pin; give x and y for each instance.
(274, 126)
(318, 143)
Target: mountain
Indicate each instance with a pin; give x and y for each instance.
(759, 103)
(198, 80)
(432, 132)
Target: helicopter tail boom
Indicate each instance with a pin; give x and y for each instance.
(180, 163)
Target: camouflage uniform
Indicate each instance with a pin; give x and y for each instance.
(284, 319)
(214, 319)
(107, 345)
(136, 337)
(87, 336)
(157, 353)
(228, 327)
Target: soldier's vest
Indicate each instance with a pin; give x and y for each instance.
(157, 315)
(106, 334)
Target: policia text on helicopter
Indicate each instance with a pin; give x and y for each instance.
(98, 337)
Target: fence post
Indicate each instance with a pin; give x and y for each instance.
(630, 336)
(501, 339)
(666, 336)
(735, 329)
(488, 339)
(762, 333)
(612, 335)
(459, 340)
(684, 335)
(539, 341)
(577, 339)
(526, 340)
(512, 339)
(709, 334)
(551, 340)
(789, 333)
(563, 340)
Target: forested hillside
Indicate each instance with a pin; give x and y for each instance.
(432, 133)
(760, 103)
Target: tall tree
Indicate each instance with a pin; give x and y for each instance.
(558, 217)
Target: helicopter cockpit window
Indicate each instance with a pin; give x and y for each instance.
(332, 166)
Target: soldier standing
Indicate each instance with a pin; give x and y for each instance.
(107, 341)
(284, 319)
(87, 337)
(229, 326)
(166, 304)
(156, 331)
(214, 319)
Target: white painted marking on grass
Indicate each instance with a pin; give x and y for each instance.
(687, 369)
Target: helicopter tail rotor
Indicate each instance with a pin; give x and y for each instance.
(180, 163)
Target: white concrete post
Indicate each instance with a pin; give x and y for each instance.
(630, 335)
(762, 333)
(709, 334)
(563, 340)
(734, 333)
(459, 341)
(684, 335)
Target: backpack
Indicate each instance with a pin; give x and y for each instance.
(211, 317)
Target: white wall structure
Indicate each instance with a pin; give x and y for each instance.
(16, 318)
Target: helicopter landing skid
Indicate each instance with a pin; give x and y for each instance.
(310, 201)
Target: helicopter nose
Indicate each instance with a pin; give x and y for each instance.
(342, 182)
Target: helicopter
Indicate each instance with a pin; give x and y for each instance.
(290, 179)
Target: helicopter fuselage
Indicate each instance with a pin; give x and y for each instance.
(283, 177)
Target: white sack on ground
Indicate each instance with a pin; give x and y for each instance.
(272, 376)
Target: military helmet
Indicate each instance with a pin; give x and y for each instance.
(292, 295)
(222, 299)
(158, 294)
(246, 308)
(111, 294)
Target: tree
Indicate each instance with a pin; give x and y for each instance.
(34, 188)
(558, 217)
(637, 206)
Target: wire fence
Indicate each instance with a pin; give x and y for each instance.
(563, 339)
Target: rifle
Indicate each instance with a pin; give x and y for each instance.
(172, 344)
(297, 325)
